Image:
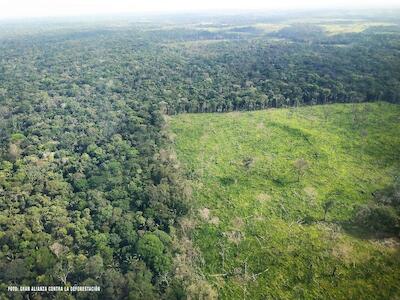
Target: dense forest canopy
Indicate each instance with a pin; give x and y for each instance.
(208, 69)
(90, 191)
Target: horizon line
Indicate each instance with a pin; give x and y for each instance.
(215, 12)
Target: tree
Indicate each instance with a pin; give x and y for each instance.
(14, 151)
(62, 270)
(94, 266)
(301, 165)
(138, 282)
(15, 270)
(154, 253)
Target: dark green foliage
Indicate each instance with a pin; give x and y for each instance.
(378, 218)
(382, 216)
(83, 190)
(155, 253)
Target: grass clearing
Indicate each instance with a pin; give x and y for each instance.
(260, 180)
(332, 29)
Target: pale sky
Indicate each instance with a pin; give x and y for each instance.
(42, 8)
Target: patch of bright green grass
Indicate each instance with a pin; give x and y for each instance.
(260, 180)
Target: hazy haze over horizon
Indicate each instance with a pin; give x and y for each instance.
(10, 9)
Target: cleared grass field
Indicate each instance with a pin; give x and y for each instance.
(333, 28)
(260, 181)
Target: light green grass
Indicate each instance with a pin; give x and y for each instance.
(356, 27)
(253, 222)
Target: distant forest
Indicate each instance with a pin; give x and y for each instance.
(90, 192)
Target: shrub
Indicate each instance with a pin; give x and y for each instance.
(378, 218)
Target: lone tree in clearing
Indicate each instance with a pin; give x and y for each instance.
(301, 166)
